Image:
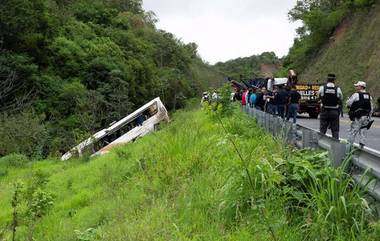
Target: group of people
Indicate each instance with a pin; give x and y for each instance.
(282, 101)
(206, 96)
(285, 103)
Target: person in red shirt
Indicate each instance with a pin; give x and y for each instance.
(244, 98)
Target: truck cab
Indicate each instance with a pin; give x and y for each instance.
(309, 99)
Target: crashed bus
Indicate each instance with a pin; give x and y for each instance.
(139, 123)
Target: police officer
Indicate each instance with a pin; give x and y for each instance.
(360, 105)
(331, 97)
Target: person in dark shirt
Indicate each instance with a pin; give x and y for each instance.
(294, 103)
(271, 102)
(260, 101)
(281, 99)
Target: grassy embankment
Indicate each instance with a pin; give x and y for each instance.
(186, 182)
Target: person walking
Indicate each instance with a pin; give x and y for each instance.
(360, 105)
(294, 104)
(331, 97)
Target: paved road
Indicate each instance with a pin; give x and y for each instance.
(373, 133)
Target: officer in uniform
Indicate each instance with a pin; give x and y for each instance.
(331, 97)
(360, 105)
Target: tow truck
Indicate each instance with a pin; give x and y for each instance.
(309, 93)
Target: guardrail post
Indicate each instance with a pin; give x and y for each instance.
(337, 150)
(298, 137)
(271, 124)
(267, 122)
(309, 138)
(277, 126)
(288, 133)
(258, 116)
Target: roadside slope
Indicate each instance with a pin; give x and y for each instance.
(186, 182)
(353, 53)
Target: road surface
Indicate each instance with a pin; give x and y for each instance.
(373, 140)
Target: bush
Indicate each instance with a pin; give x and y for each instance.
(22, 133)
(14, 160)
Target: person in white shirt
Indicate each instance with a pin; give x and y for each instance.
(361, 107)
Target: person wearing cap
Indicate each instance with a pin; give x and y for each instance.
(331, 97)
(360, 105)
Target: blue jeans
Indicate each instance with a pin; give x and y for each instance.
(292, 112)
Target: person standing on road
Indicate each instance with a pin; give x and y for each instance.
(331, 97)
(294, 104)
(360, 105)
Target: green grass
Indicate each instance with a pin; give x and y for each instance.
(186, 182)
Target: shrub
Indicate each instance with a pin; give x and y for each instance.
(22, 133)
(14, 160)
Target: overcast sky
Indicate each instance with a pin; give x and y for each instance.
(228, 29)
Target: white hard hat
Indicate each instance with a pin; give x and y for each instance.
(361, 83)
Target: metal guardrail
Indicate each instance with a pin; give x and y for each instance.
(366, 162)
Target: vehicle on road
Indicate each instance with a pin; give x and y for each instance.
(309, 93)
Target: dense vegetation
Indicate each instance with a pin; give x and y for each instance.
(247, 67)
(70, 67)
(191, 186)
(320, 19)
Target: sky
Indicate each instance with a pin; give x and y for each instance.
(228, 29)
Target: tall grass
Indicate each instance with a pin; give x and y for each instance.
(186, 182)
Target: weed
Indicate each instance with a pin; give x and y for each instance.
(87, 235)
(16, 200)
